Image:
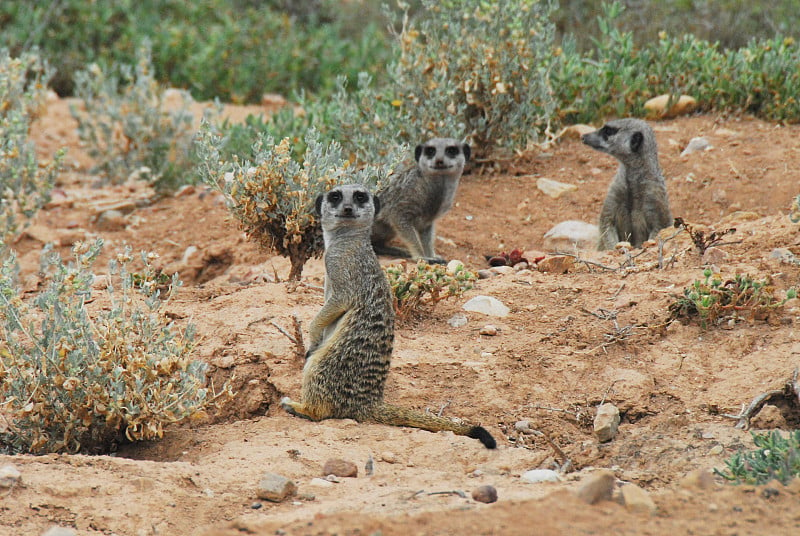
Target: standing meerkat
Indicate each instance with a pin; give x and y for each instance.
(636, 206)
(417, 197)
(353, 334)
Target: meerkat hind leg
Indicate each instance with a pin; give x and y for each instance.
(298, 409)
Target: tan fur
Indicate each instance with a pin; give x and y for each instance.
(636, 207)
(351, 338)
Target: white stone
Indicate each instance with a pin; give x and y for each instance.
(9, 476)
(570, 234)
(458, 320)
(696, 145)
(553, 188)
(540, 475)
(321, 483)
(486, 305)
(454, 266)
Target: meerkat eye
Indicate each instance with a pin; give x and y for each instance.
(430, 152)
(452, 151)
(608, 131)
(335, 197)
(361, 197)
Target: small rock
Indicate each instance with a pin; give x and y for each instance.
(485, 494)
(697, 478)
(559, 264)
(657, 106)
(125, 207)
(60, 531)
(553, 188)
(570, 234)
(111, 221)
(520, 266)
(716, 450)
(321, 483)
(486, 355)
(696, 145)
(714, 255)
(273, 100)
(333, 478)
(637, 500)
(9, 476)
(388, 457)
(275, 488)
(598, 486)
(453, 267)
(523, 427)
(488, 330)
(186, 189)
(341, 468)
(458, 320)
(606, 422)
(575, 132)
(487, 305)
(256, 505)
(535, 476)
(485, 274)
(501, 270)
(769, 418)
(783, 255)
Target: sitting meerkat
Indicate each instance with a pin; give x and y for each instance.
(414, 199)
(352, 336)
(636, 207)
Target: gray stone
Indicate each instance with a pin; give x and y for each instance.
(458, 320)
(321, 483)
(696, 145)
(485, 494)
(523, 427)
(9, 476)
(606, 422)
(486, 305)
(598, 486)
(535, 476)
(567, 235)
(553, 188)
(59, 531)
(275, 488)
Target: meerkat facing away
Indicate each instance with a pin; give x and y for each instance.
(353, 334)
(413, 200)
(636, 207)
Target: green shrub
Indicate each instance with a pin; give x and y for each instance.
(273, 195)
(71, 383)
(714, 300)
(775, 458)
(423, 284)
(128, 127)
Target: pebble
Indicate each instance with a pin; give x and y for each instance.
(534, 476)
(458, 320)
(716, 450)
(487, 305)
(485, 274)
(339, 467)
(275, 488)
(489, 330)
(485, 494)
(60, 531)
(637, 500)
(558, 264)
(388, 457)
(453, 267)
(599, 486)
(501, 270)
(714, 255)
(606, 422)
(9, 476)
(256, 505)
(570, 234)
(553, 188)
(695, 145)
(321, 483)
(697, 478)
(523, 427)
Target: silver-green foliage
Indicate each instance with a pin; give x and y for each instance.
(129, 127)
(24, 185)
(73, 382)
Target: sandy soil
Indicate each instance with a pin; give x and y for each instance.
(553, 361)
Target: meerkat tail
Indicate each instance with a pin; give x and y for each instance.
(397, 416)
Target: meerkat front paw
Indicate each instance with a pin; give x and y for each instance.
(435, 260)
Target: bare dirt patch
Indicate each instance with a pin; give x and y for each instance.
(571, 341)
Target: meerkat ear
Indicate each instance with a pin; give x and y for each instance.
(318, 204)
(467, 152)
(377, 202)
(636, 141)
(417, 152)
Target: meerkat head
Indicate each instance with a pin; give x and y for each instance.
(347, 205)
(624, 139)
(444, 156)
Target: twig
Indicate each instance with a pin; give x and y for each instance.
(441, 409)
(452, 492)
(566, 463)
(586, 262)
(297, 339)
(790, 389)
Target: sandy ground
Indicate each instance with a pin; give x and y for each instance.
(556, 357)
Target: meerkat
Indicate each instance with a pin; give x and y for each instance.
(636, 207)
(352, 336)
(417, 197)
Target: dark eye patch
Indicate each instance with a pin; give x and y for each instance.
(335, 197)
(608, 131)
(361, 197)
(452, 151)
(429, 151)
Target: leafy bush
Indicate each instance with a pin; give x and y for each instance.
(72, 383)
(425, 284)
(775, 458)
(273, 197)
(25, 185)
(128, 126)
(714, 300)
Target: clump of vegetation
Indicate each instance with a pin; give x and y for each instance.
(702, 240)
(273, 196)
(72, 383)
(25, 185)
(794, 212)
(775, 458)
(713, 300)
(423, 284)
(128, 126)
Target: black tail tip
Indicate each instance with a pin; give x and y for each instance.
(481, 434)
